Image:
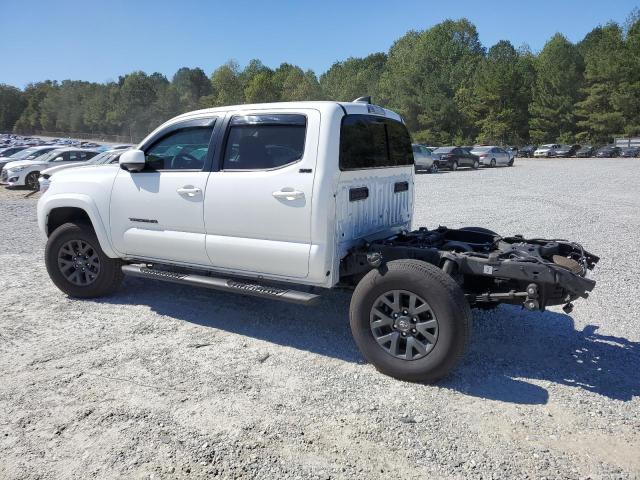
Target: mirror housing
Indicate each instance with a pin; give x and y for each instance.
(132, 160)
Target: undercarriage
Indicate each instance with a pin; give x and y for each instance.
(490, 269)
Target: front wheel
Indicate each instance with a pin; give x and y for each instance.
(434, 168)
(31, 181)
(77, 265)
(492, 164)
(454, 166)
(412, 322)
(475, 165)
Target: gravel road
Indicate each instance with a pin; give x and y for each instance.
(161, 381)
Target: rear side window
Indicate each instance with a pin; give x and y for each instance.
(368, 141)
(262, 142)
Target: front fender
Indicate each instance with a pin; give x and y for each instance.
(76, 200)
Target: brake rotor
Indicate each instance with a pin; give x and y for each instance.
(567, 263)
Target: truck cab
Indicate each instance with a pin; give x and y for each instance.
(274, 200)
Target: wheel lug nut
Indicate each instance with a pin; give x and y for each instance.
(413, 330)
(404, 334)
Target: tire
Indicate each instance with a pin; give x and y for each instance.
(510, 164)
(446, 304)
(108, 271)
(492, 163)
(31, 181)
(433, 169)
(475, 165)
(454, 166)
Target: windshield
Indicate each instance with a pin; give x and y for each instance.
(443, 149)
(566, 147)
(481, 149)
(23, 154)
(548, 145)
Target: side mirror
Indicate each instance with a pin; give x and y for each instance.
(132, 160)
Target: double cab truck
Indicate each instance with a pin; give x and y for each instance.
(283, 200)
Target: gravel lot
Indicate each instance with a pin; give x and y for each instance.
(161, 381)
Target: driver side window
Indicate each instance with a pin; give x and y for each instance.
(184, 149)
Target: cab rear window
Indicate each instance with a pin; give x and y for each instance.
(369, 141)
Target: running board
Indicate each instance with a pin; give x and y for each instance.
(224, 284)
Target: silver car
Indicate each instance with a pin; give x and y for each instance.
(423, 160)
(491, 156)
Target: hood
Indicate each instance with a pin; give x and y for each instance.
(57, 168)
(22, 163)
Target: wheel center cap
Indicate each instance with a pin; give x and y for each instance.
(403, 324)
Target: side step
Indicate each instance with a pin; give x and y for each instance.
(224, 284)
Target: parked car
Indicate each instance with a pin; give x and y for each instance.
(546, 150)
(109, 157)
(455, 157)
(26, 172)
(564, 151)
(608, 151)
(8, 151)
(490, 156)
(423, 160)
(629, 152)
(337, 213)
(585, 151)
(29, 153)
(527, 151)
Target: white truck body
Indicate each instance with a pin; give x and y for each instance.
(292, 223)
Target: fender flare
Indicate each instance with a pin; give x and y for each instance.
(77, 200)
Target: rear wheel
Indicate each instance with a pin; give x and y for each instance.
(492, 163)
(454, 165)
(434, 168)
(412, 322)
(475, 165)
(77, 265)
(31, 181)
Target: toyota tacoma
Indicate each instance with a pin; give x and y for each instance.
(283, 200)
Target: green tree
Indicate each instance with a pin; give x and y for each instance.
(501, 94)
(426, 77)
(191, 84)
(295, 84)
(226, 87)
(353, 78)
(626, 99)
(603, 51)
(12, 104)
(559, 70)
(34, 94)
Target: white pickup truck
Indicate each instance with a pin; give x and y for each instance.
(276, 200)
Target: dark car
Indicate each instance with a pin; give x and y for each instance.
(564, 151)
(585, 151)
(454, 157)
(608, 151)
(630, 152)
(527, 151)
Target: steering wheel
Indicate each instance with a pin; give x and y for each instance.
(185, 160)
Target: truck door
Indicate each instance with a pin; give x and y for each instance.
(157, 213)
(258, 204)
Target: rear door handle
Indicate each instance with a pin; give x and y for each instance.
(288, 194)
(189, 191)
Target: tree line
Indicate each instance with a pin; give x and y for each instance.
(446, 85)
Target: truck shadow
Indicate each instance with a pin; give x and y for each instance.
(514, 354)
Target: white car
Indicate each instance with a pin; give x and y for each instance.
(28, 153)
(26, 172)
(423, 161)
(105, 158)
(546, 150)
(491, 156)
(270, 199)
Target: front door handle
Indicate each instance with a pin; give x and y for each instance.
(189, 191)
(288, 194)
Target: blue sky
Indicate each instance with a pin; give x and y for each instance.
(99, 40)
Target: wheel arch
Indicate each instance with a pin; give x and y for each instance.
(54, 211)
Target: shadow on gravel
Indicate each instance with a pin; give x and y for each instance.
(509, 346)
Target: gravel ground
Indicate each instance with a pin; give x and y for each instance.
(161, 381)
